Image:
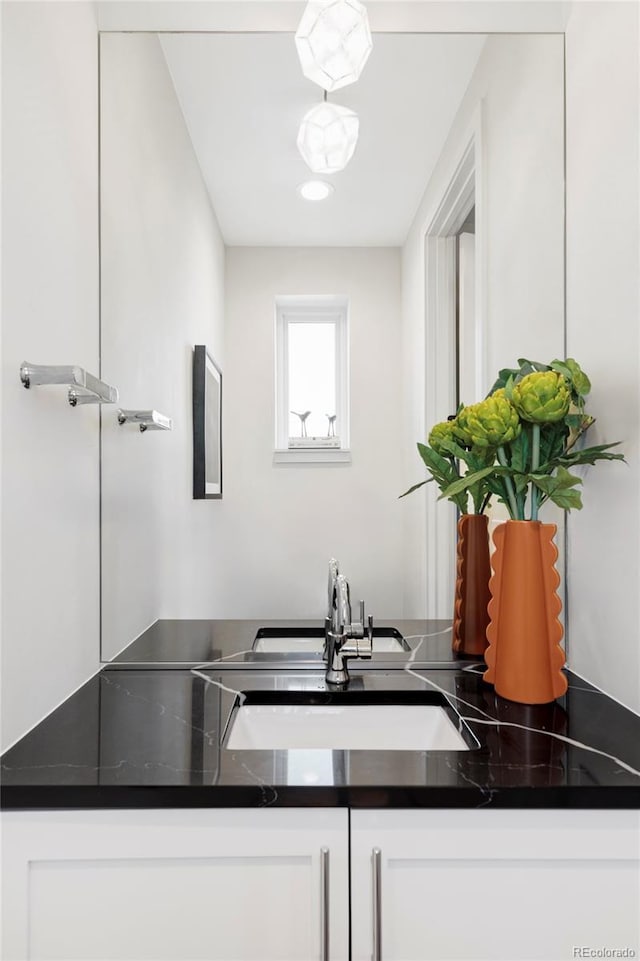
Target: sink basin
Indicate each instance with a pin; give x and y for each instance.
(346, 721)
(294, 644)
(310, 640)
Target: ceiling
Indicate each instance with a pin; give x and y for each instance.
(243, 96)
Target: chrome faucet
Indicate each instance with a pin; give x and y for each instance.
(332, 593)
(343, 638)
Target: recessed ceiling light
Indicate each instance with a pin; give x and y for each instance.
(315, 190)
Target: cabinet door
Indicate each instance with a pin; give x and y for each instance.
(225, 885)
(495, 885)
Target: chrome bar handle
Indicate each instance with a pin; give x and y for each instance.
(324, 904)
(376, 857)
(146, 419)
(84, 388)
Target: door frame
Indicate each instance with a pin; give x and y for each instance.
(464, 189)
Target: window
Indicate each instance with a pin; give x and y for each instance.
(312, 410)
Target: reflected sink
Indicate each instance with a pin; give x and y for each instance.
(346, 721)
(310, 641)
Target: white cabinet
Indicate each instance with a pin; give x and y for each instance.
(249, 884)
(223, 885)
(495, 884)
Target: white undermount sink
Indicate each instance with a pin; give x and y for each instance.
(289, 645)
(342, 723)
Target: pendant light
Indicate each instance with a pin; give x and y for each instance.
(333, 42)
(327, 137)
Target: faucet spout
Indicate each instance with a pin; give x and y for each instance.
(343, 603)
(344, 639)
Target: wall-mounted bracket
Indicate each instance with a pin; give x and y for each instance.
(146, 419)
(84, 388)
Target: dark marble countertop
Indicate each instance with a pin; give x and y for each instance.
(153, 737)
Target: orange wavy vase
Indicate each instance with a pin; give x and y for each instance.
(470, 615)
(524, 657)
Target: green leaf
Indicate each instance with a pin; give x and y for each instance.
(503, 377)
(519, 449)
(416, 486)
(530, 366)
(508, 388)
(567, 499)
(587, 455)
(454, 449)
(464, 483)
(549, 483)
(517, 373)
(552, 443)
(561, 368)
(521, 482)
(443, 471)
(496, 485)
(576, 420)
(560, 488)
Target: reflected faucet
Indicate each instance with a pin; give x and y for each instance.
(343, 638)
(332, 586)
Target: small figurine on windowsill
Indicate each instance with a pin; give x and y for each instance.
(303, 421)
(331, 431)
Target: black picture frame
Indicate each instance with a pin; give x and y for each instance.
(207, 426)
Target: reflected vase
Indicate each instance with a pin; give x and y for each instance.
(473, 570)
(524, 658)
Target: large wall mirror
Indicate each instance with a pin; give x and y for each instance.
(444, 235)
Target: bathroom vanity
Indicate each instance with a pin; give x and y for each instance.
(130, 795)
(133, 827)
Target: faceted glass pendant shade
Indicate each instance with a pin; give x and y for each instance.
(334, 42)
(327, 137)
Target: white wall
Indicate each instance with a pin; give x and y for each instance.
(282, 523)
(464, 16)
(50, 504)
(603, 317)
(162, 292)
(517, 91)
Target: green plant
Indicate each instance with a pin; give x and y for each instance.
(530, 423)
(448, 445)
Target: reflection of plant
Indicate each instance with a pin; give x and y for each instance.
(449, 444)
(529, 425)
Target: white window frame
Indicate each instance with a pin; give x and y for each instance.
(310, 308)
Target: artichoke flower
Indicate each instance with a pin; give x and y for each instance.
(460, 433)
(542, 397)
(491, 423)
(440, 433)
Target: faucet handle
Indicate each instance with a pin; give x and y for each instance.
(358, 627)
(365, 644)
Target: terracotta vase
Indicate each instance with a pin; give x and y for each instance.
(470, 616)
(524, 658)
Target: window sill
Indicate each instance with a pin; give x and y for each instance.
(307, 455)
